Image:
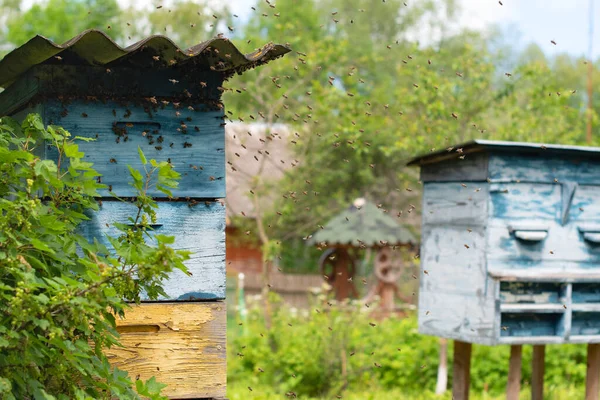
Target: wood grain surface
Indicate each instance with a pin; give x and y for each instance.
(181, 344)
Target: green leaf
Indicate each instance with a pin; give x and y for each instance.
(137, 178)
(85, 139)
(38, 244)
(142, 156)
(154, 387)
(165, 239)
(140, 387)
(42, 323)
(72, 151)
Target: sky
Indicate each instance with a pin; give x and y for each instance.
(540, 21)
(564, 21)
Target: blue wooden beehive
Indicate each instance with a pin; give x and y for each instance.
(167, 101)
(154, 95)
(510, 247)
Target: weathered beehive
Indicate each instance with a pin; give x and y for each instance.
(167, 101)
(511, 243)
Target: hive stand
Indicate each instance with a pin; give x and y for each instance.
(168, 102)
(511, 253)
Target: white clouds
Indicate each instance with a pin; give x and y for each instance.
(480, 14)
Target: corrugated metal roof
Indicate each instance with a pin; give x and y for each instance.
(366, 224)
(479, 145)
(94, 47)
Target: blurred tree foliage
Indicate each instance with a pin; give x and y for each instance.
(356, 353)
(60, 20)
(370, 85)
(364, 97)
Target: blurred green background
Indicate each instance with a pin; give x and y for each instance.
(369, 85)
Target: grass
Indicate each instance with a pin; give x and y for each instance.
(562, 371)
(239, 391)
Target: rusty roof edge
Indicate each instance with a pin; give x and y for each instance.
(40, 49)
(479, 145)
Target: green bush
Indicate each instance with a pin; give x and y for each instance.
(328, 350)
(59, 294)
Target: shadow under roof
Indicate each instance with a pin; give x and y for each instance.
(94, 47)
(478, 145)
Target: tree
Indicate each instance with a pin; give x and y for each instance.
(61, 20)
(60, 294)
(346, 58)
(362, 107)
(186, 22)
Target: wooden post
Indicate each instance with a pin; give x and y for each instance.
(592, 386)
(461, 369)
(513, 386)
(537, 372)
(442, 376)
(387, 298)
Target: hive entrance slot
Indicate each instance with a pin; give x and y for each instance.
(147, 129)
(585, 323)
(586, 292)
(531, 292)
(151, 328)
(531, 324)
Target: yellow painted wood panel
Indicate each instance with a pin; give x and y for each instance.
(181, 344)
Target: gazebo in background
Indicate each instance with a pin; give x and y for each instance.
(363, 225)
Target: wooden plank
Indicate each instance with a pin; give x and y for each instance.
(453, 260)
(592, 307)
(592, 379)
(528, 308)
(584, 339)
(552, 271)
(198, 155)
(16, 96)
(574, 339)
(512, 167)
(472, 168)
(567, 321)
(535, 340)
(562, 243)
(528, 201)
(71, 80)
(465, 318)
(513, 385)
(537, 372)
(453, 204)
(461, 370)
(586, 205)
(181, 344)
(199, 229)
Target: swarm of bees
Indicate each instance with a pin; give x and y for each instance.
(348, 83)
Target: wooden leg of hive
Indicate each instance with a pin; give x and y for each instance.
(442, 376)
(461, 370)
(513, 386)
(592, 380)
(537, 372)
